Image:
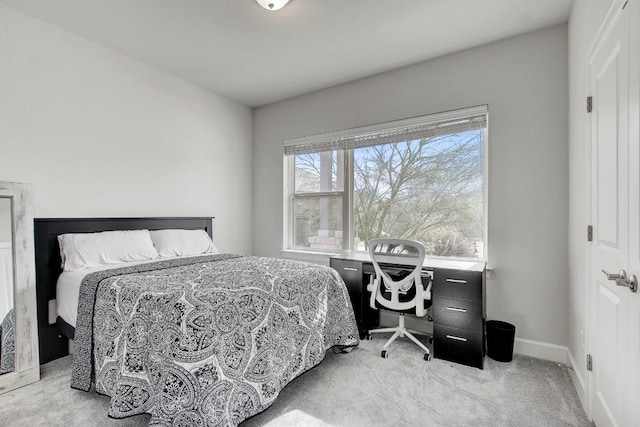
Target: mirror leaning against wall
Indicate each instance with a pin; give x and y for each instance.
(19, 362)
(7, 311)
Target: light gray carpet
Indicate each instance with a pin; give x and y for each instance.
(355, 389)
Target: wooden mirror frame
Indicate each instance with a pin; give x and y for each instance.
(27, 368)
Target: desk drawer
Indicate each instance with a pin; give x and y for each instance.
(461, 314)
(351, 271)
(352, 274)
(458, 346)
(457, 284)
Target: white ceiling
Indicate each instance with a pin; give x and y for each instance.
(255, 56)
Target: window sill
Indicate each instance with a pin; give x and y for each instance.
(308, 256)
(323, 259)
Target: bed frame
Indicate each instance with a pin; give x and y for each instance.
(52, 337)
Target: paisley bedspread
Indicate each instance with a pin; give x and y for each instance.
(7, 343)
(206, 341)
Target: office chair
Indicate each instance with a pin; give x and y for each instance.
(406, 295)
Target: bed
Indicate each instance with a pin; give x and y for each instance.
(203, 339)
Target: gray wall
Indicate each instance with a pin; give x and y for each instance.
(524, 82)
(99, 134)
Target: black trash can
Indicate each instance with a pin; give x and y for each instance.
(500, 336)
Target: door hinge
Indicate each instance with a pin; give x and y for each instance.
(589, 103)
(589, 363)
(589, 233)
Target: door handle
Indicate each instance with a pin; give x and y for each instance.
(622, 275)
(621, 279)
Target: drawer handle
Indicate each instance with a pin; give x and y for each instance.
(350, 269)
(461, 310)
(453, 337)
(464, 282)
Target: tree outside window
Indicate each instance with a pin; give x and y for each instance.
(428, 189)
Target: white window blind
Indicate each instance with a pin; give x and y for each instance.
(385, 133)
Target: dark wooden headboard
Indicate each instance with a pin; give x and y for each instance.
(53, 344)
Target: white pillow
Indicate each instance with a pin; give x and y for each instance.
(84, 250)
(171, 243)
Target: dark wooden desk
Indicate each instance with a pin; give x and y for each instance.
(458, 295)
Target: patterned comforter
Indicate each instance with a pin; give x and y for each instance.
(8, 343)
(206, 341)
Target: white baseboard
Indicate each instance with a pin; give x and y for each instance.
(578, 380)
(537, 349)
(541, 350)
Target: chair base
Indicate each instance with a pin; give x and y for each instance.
(402, 331)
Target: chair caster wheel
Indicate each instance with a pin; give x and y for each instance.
(430, 340)
(368, 337)
(427, 356)
(384, 354)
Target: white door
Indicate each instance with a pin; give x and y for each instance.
(632, 362)
(615, 196)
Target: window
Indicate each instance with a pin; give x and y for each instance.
(420, 178)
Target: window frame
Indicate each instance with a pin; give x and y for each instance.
(347, 192)
(291, 196)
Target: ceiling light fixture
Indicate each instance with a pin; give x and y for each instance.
(272, 4)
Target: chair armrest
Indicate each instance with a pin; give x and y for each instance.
(427, 292)
(372, 288)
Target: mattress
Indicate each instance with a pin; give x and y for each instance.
(68, 289)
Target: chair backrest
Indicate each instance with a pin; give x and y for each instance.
(400, 248)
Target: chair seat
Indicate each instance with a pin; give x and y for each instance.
(411, 293)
